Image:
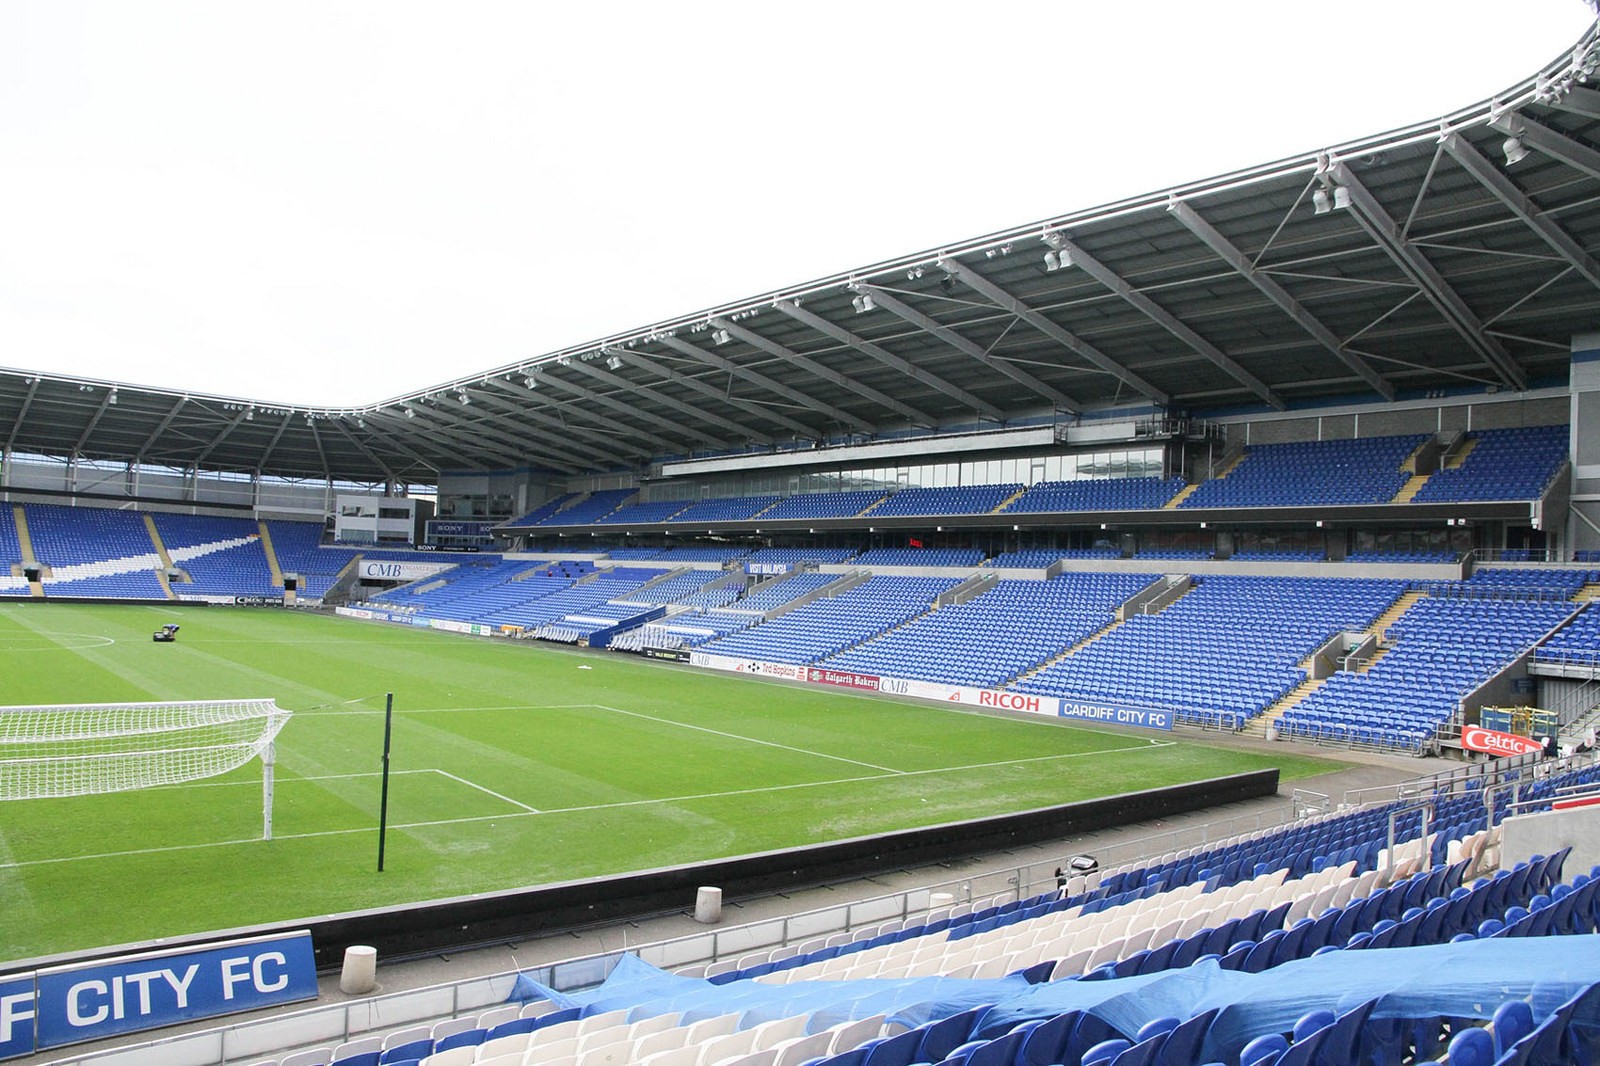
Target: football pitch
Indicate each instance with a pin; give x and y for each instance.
(512, 765)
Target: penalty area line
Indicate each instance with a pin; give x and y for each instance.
(530, 812)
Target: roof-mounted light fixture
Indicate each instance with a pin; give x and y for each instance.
(862, 302)
(613, 363)
(721, 336)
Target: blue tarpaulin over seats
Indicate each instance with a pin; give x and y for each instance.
(1466, 980)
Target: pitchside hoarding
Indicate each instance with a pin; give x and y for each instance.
(1109, 713)
(1477, 738)
(90, 1001)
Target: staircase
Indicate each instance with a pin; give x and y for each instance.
(24, 538)
(1090, 639)
(1380, 627)
(1263, 723)
(272, 556)
(1184, 493)
(1409, 490)
(1009, 500)
(1454, 462)
(161, 549)
(1588, 594)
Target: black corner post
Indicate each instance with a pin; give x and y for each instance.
(383, 803)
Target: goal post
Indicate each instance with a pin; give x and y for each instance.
(53, 751)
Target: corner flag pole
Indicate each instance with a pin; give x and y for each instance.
(383, 804)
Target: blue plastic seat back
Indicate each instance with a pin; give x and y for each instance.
(413, 1049)
(938, 1039)
(901, 1050)
(1044, 1044)
(465, 1038)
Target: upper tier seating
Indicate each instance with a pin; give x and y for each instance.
(1444, 648)
(618, 583)
(1505, 464)
(632, 555)
(674, 589)
(1312, 473)
(994, 637)
(1406, 557)
(1038, 558)
(1098, 494)
(973, 499)
(642, 513)
(1220, 654)
(795, 556)
(1560, 584)
(770, 597)
(63, 536)
(823, 505)
(725, 509)
(920, 557)
(592, 509)
(544, 510)
(700, 555)
(832, 624)
(1281, 555)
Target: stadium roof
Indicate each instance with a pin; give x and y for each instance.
(1451, 254)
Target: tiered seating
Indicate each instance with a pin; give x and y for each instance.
(10, 554)
(222, 556)
(1518, 582)
(710, 599)
(1098, 494)
(823, 505)
(826, 626)
(1505, 464)
(94, 552)
(1036, 558)
(658, 511)
(1173, 553)
(1578, 642)
(701, 555)
(994, 637)
(920, 557)
(796, 556)
(673, 589)
(1222, 653)
(298, 546)
(774, 596)
(618, 583)
(1444, 648)
(725, 509)
(1312, 473)
(972, 499)
(592, 509)
(544, 510)
(632, 555)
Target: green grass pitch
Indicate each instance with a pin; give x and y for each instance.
(513, 764)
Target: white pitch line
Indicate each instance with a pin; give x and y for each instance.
(751, 740)
(592, 807)
(490, 791)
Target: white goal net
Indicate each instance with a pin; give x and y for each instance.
(83, 749)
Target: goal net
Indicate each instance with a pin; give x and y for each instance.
(83, 749)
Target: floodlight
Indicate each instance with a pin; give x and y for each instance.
(1341, 197)
(531, 382)
(1514, 149)
(466, 401)
(613, 363)
(1320, 204)
(1052, 260)
(720, 336)
(410, 413)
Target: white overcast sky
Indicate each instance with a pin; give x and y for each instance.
(334, 203)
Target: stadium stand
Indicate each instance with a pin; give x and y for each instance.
(1222, 653)
(1281, 555)
(796, 556)
(94, 552)
(544, 510)
(10, 556)
(920, 557)
(1037, 558)
(823, 505)
(298, 546)
(827, 626)
(976, 499)
(725, 509)
(1504, 464)
(1577, 642)
(1311, 473)
(589, 509)
(661, 511)
(221, 556)
(1097, 494)
(994, 637)
(701, 555)
(1403, 557)
(1442, 649)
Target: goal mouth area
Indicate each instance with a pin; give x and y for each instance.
(55, 751)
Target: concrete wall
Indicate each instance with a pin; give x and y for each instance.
(1527, 835)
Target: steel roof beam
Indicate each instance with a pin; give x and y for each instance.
(1070, 341)
(888, 358)
(1228, 253)
(316, 438)
(1372, 217)
(756, 378)
(1550, 142)
(161, 427)
(272, 445)
(391, 425)
(388, 471)
(666, 425)
(1059, 400)
(606, 435)
(22, 413)
(620, 382)
(1506, 191)
(477, 433)
(466, 442)
(1166, 320)
(94, 420)
(693, 384)
(233, 424)
(844, 381)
